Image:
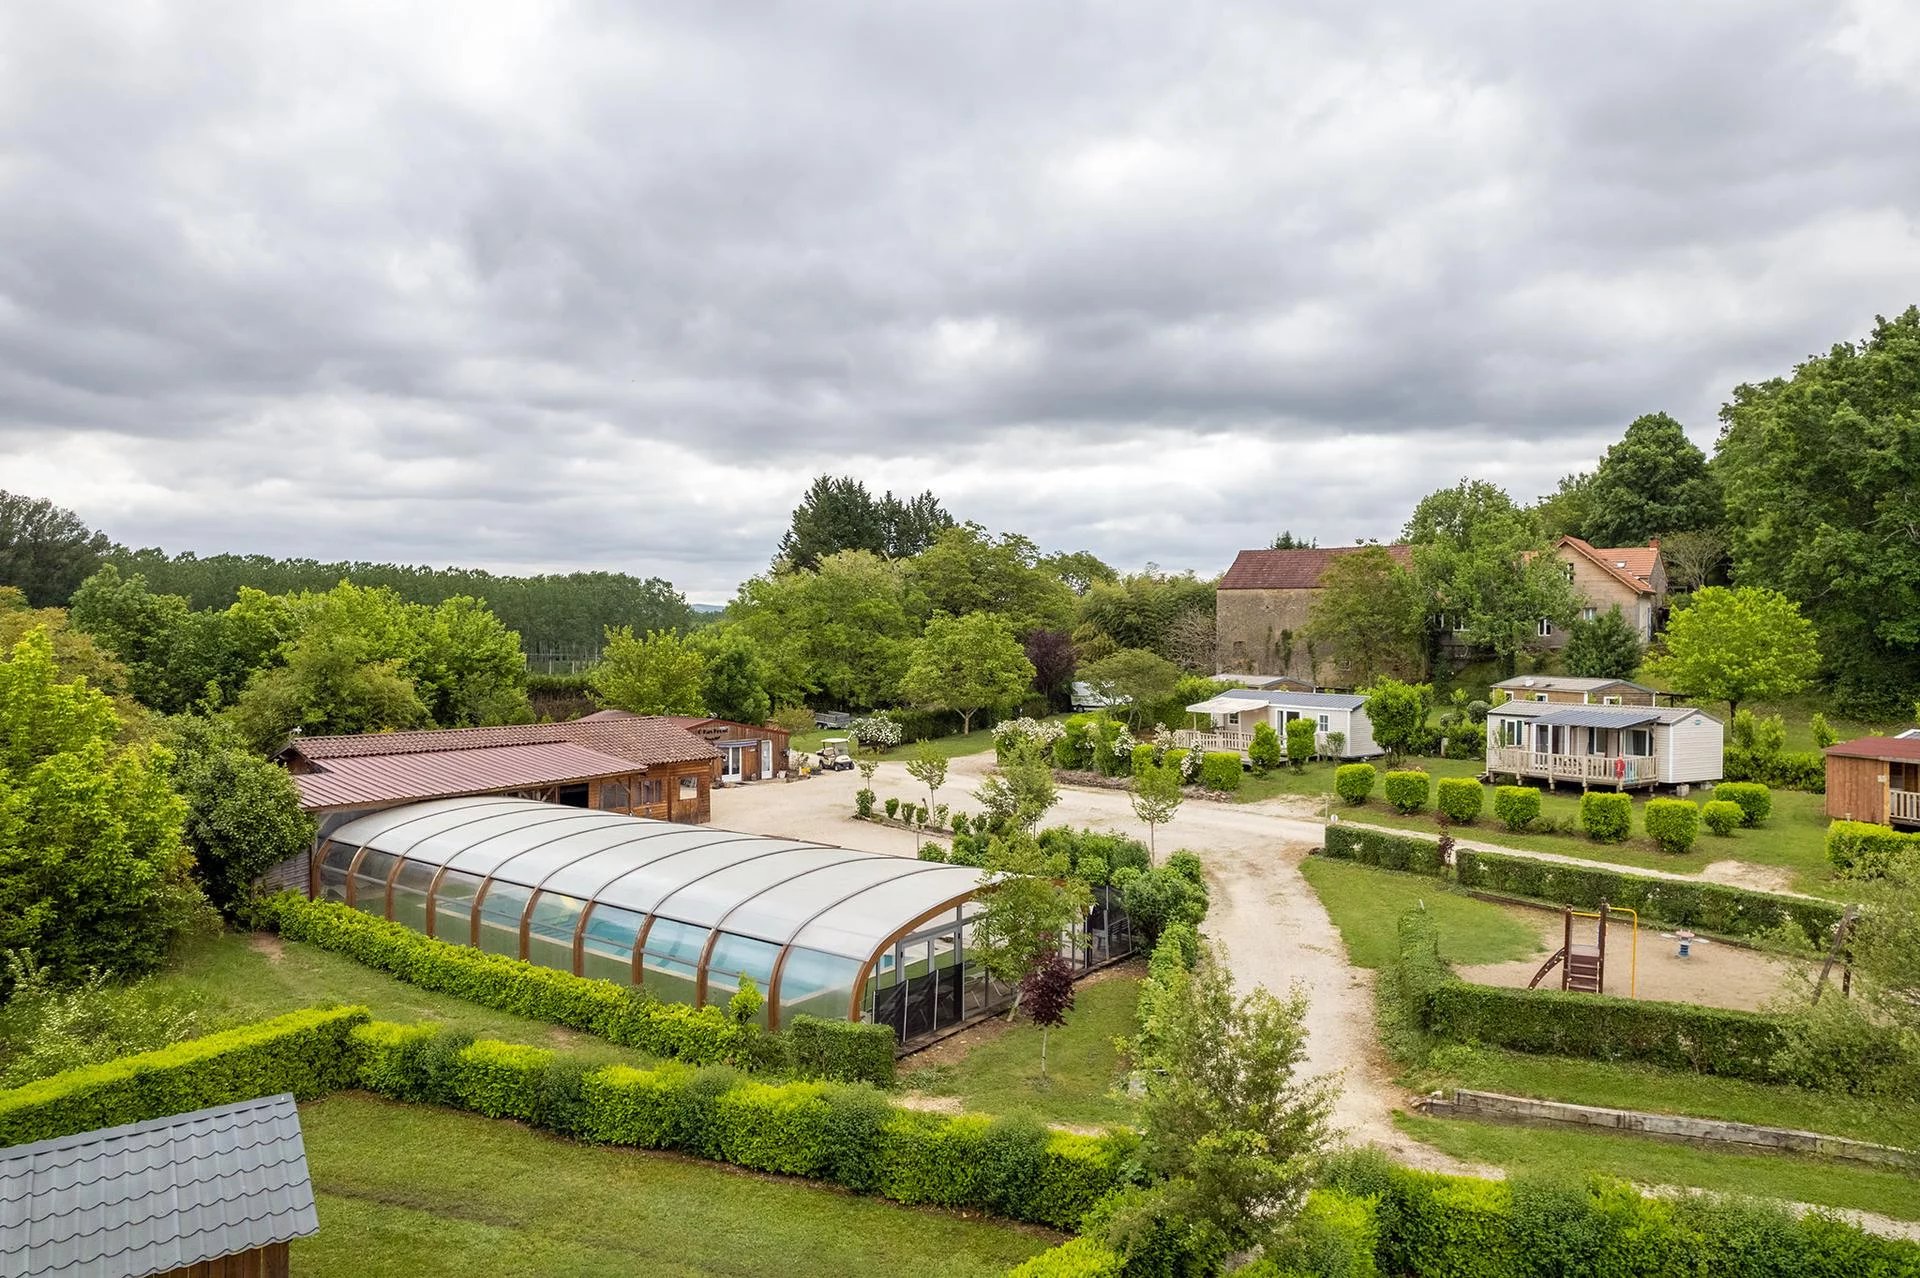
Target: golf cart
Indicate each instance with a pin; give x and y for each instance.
(833, 756)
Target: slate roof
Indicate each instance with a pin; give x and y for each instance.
(1292, 569)
(358, 779)
(1597, 716)
(1902, 748)
(148, 1197)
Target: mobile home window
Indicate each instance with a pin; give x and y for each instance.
(1326, 722)
(1609, 701)
(1639, 742)
(1539, 696)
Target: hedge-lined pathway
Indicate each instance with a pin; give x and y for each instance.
(1265, 913)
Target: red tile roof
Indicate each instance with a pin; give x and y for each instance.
(1607, 559)
(636, 738)
(357, 780)
(1636, 561)
(1900, 749)
(1292, 569)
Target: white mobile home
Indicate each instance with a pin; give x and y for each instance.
(1606, 747)
(1235, 713)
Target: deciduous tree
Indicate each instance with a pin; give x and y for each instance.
(1651, 483)
(929, 767)
(840, 631)
(1047, 993)
(734, 680)
(1054, 659)
(966, 664)
(1156, 796)
(1735, 645)
(1024, 916)
(966, 570)
(1142, 679)
(1369, 617)
(243, 814)
(655, 673)
(1019, 791)
(46, 550)
(1480, 558)
(1398, 712)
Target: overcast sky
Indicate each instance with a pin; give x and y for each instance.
(542, 286)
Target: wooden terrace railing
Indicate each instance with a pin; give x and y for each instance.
(1586, 769)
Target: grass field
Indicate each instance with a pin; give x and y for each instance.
(1002, 1074)
(1643, 1087)
(951, 747)
(1366, 905)
(241, 977)
(1536, 1152)
(417, 1191)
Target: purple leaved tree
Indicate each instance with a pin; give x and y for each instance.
(1047, 995)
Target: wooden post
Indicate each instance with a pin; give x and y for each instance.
(1600, 976)
(1834, 952)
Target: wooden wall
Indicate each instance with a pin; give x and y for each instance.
(264, 1262)
(1856, 789)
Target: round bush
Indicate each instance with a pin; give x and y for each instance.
(1142, 757)
(1755, 800)
(1264, 752)
(1220, 770)
(1606, 817)
(1353, 782)
(1672, 823)
(1517, 806)
(1721, 816)
(1409, 791)
(1459, 799)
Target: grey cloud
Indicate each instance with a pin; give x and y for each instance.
(602, 286)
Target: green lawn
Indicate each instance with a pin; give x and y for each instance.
(950, 747)
(1543, 1152)
(241, 977)
(1084, 1066)
(1643, 1087)
(1366, 905)
(417, 1191)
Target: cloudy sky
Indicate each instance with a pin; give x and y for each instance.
(538, 286)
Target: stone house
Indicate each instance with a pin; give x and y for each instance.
(1261, 608)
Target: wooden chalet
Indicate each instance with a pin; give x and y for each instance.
(1875, 779)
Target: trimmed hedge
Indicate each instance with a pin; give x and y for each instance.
(1142, 757)
(1459, 799)
(1353, 782)
(1517, 806)
(1409, 791)
(1672, 823)
(1707, 1040)
(1388, 851)
(1606, 816)
(1075, 1258)
(1454, 1226)
(1863, 850)
(847, 1051)
(1755, 800)
(1706, 907)
(1722, 816)
(613, 1012)
(847, 1133)
(1264, 751)
(308, 1053)
(1220, 770)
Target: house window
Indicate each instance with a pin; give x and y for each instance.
(613, 796)
(1545, 628)
(1588, 614)
(1567, 569)
(1325, 722)
(1609, 701)
(1539, 696)
(689, 787)
(1639, 742)
(652, 791)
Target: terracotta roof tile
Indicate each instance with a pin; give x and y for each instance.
(1607, 559)
(1903, 749)
(355, 780)
(636, 738)
(1292, 569)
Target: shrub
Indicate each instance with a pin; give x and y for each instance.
(308, 1053)
(1607, 817)
(1073, 748)
(1409, 791)
(1334, 1236)
(1336, 744)
(1353, 782)
(1672, 823)
(48, 1026)
(1517, 806)
(1755, 800)
(844, 1051)
(1705, 907)
(1142, 757)
(1863, 850)
(1220, 770)
(1175, 758)
(863, 803)
(1075, 1258)
(1722, 816)
(893, 808)
(500, 1080)
(1459, 799)
(1264, 751)
(1301, 734)
(1388, 851)
(1161, 897)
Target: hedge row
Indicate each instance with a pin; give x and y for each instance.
(847, 1133)
(632, 1018)
(1704, 907)
(1441, 1226)
(308, 1053)
(1388, 851)
(1864, 850)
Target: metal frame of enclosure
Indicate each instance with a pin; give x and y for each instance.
(683, 911)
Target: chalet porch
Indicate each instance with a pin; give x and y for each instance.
(1586, 755)
(1236, 740)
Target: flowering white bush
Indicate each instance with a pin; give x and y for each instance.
(1123, 744)
(1190, 766)
(1023, 731)
(875, 732)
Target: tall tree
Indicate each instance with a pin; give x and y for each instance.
(1054, 659)
(470, 671)
(1693, 558)
(1287, 541)
(1563, 512)
(46, 550)
(93, 872)
(1480, 558)
(966, 664)
(1604, 647)
(1822, 474)
(1022, 920)
(734, 684)
(838, 513)
(1079, 570)
(965, 570)
(243, 814)
(1142, 680)
(655, 673)
(1139, 611)
(1738, 645)
(841, 631)
(1370, 617)
(1654, 481)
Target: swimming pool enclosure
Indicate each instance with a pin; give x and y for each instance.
(684, 911)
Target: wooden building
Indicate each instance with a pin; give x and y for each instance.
(1567, 690)
(746, 753)
(1875, 779)
(217, 1193)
